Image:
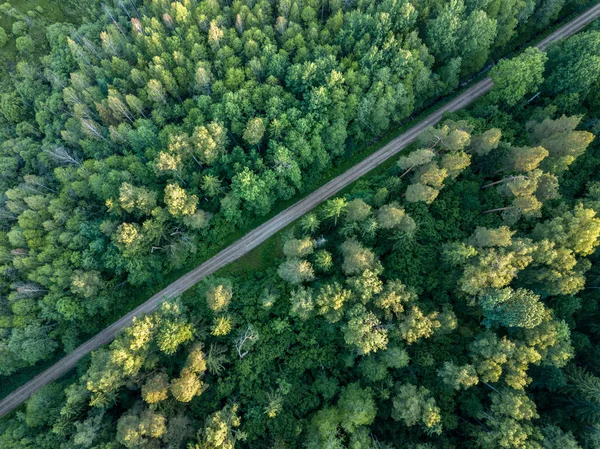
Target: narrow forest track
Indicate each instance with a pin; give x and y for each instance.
(275, 224)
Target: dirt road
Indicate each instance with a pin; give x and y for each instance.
(260, 234)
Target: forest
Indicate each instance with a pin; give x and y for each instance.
(447, 300)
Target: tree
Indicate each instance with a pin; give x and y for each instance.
(496, 267)
(525, 159)
(211, 185)
(356, 407)
(431, 175)
(393, 298)
(505, 429)
(203, 77)
(178, 202)
(246, 338)
(458, 376)
(523, 204)
(514, 78)
(574, 64)
(209, 142)
(199, 220)
(442, 32)
(298, 247)
(482, 144)
(138, 199)
(156, 92)
(179, 429)
(330, 300)
(168, 162)
(582, 388)
(129, 433)
(155, 389)
(555, 438)
(43, 406)
(484, 237)
(416, 325)
(478, 34)
(494, 358)
(187, 386)
(196, 361)
(323, 260)
(457, 253)
(222, 325)
(255, 130)
(134, 430)
(366, 285)
(172, 334)
(333, 209)
(452, 136)
(32, 343)
(392, 216)
(219, 296)
(309, 223)
(296, 271)
(512, 308)
(455, 162)
(356, 257)
(3, 37)
(548, 12)
(255, 189)
(357, 211)
(86, 284)
(364, 331)
(414, 405)
(219, 429)
(559, 138)
(415, 158)
(420, 192)
(25, 45)
(215, 359)
(324, 428)
(302, 303)
(577, 230)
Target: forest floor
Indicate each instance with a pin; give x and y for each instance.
(249, 244)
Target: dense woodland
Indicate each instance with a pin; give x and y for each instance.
(450, 301)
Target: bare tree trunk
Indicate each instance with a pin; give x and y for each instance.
(510, 178)
(407, 171)
(493, 184)
(498, 210)
(135, 9)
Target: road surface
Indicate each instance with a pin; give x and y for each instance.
(266, 230)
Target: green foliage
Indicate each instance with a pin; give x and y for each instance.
(583, 390)
(219, 296)
(364, 331)
(414, 405)
(296, 271)
(574, 63)
(25, 45)
(138, 143)
(138, 137)
(3, 37)
(512, 308)
(458, 376)
(514, 78)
